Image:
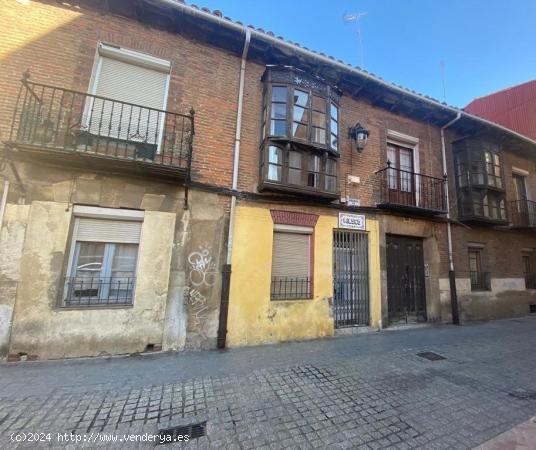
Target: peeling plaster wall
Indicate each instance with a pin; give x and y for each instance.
(41, 328)
(11, 244)
(178, 287)
(507, 298)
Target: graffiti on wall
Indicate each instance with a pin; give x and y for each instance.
(202, 274)
(202, 268)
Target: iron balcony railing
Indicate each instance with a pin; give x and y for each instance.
(288, 288)
(480, 281)
(523, 213)
(98, 291)
(63, 119)
(410, 190)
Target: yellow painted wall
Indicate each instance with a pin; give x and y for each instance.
(253, 317)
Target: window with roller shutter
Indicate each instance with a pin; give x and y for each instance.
(103, 259)
(291, 266)
(141, 81)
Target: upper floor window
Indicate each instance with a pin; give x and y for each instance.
(479, 167)
(300, 133)
(479, 181)
(300, 108)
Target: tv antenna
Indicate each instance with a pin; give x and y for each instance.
(355, 17)
(442, 72)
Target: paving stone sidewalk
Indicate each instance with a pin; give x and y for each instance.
(363, 391)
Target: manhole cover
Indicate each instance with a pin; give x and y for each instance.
(431, 356)
(182, 433)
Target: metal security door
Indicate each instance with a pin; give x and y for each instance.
(405, 279)
(350, 278)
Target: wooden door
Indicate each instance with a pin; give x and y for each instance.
(406, 295)
(401, 176)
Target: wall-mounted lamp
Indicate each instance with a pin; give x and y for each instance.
(359, 135)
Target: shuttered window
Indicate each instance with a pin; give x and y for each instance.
(105, 230)
(291, 256)
(129, 79)
(103, 262)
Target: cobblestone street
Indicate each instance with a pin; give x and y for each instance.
(362, 391)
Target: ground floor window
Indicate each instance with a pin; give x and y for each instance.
(291, 263)
(528, 270)
(480, 280)
(102, 261)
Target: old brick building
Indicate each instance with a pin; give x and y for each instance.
(175, 180)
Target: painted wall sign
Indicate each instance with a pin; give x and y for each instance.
(352, 221)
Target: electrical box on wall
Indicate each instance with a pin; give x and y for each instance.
(352, 179)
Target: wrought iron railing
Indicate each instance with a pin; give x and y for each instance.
(409, 189)
(63, 119)
(288, 288)
(530, 281)
(480, 281)
(523, 213)
(98, 291)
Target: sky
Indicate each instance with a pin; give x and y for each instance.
(482, 45)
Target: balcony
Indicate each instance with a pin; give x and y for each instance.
(523, 214)
(411, 192)
(69, 127)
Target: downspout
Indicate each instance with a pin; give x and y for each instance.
(452, 274)
(226, 271)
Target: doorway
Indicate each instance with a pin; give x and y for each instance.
(406, 297)
(350, 278)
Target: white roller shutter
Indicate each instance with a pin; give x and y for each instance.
(290, 257)
(131, 83)
(103, 230)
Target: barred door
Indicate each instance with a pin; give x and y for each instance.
(350, 278)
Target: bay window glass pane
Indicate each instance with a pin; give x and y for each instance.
(319, 135)
(279, 111)
(319, 119)
(334, 111)
(300, 114)
(301, 98)
(275, 159)
(319, 104)
(313, 177)
(295, 168)
(334, 127)
(278, 127)
(485, 206)
(299, 130)
(279, 94)
(331, 175)
(334, 142)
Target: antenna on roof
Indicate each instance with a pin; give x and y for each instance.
(354, 17)
(442, 72)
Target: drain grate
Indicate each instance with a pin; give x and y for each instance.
(431, 356)
(182, 433)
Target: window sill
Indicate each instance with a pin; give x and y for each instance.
(87, 307)
(286, 300)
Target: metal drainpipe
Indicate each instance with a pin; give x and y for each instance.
(452, 275)
(226, 271)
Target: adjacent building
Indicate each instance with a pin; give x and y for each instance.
(174, 179)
